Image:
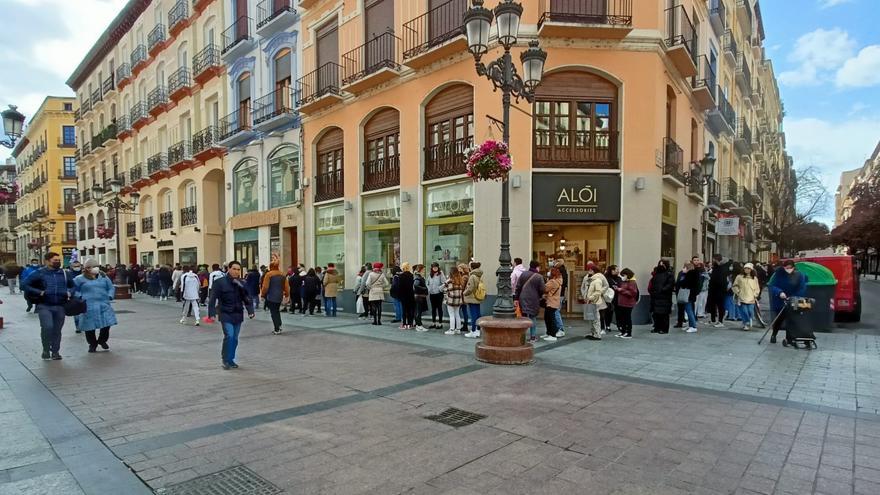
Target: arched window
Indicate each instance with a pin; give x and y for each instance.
(189, 194)
(160, 74)
(245, 186)
(101, 219)
(90, 225)
(183, 55)
(283, 176)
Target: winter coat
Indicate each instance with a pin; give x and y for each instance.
(453, 294)
(470, 288)
(189, 286)
(165, 276)
(97, 293)
(405, 287)
(275, 288)
(295, 282)
(720, 277)
(375, 283)
(212, 278)
(564, 272)
(395, 286)
(175, 278)
(436, 283)
(420, 287)
(312, 286)
(553, 293)
(627, 294)
(518, 270)
(28, 271)
(662, 285)
(691, 281)
(252, 282)
(54, 284)
(794, 285)
(746, 289)
(529, 290)
(358, 285)
(231, 296)
(593, 290)
(331, 283)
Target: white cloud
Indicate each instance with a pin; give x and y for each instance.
(816, 54)
(832, 147)
(861, 71)
(826, 4)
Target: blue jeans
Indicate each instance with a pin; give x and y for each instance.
(692, 317)
(533, 330)
(463, 311)
(330, 306)
(747, 314)
(163, 289)
(558, 317)
(51, 322)
(398, 309)
(230, 341)
(474, 310)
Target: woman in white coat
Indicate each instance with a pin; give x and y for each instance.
(189, 288)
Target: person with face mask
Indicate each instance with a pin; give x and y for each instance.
(50, 288)
(97, 291)
(25, 273)
(786, 282)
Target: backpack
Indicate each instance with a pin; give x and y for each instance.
(480, 291)
(608, 295)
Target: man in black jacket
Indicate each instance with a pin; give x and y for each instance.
(229, 292)
(719, 285)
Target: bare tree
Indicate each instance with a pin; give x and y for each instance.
(794, 201)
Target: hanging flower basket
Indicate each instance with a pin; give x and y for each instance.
(490, 161)
(104, 233)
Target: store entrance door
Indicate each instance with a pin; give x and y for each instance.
(246, 253)
(166, 257)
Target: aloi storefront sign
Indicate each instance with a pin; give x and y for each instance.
(576, 197)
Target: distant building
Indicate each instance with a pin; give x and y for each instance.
(8, 215)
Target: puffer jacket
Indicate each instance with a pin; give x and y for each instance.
(376, 283)
(593, 290)
(189, 286)
(473, 282)
(529, 289)
(54, 285)
(746, 289)
(553, 293)
(627, 294)
(331, 283)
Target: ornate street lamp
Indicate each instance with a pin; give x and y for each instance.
(503, 75)
(39, 229)
(111, 199)
(701, 172)
(13, 123)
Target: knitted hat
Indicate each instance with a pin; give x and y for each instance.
(378, 265)
(90, 263)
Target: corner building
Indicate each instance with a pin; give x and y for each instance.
(46, 179)
(391, 101)
(151, 93)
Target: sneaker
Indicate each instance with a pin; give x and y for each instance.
(197, 323)
(550, 338)
(208, 319)
(619, 335)
(473, 335)
(56, 356)
(718, 324)
(560, 333)
(451, 332)
(533, 339)
(93, 348)
(402, 327)
(590, 337)
(104, 346)
(277, 331)
(691, 330)
(225, 366)
(626, 336)
(182, 321)
(602, 333)
(233, 365)
(421, 329)
(45, 356)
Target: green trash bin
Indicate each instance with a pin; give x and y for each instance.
(821, 286)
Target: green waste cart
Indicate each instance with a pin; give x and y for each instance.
(821, 285)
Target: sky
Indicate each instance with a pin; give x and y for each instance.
(826, 54)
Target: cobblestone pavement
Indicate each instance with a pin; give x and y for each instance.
(334, 406)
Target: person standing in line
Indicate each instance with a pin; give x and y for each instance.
(406, 296)
(627, 298)
(295, 282)
(97, 291)
(311, 291)
(375, 284)
(593, 290)
(359, 298)
(50, 288)
(530, 288)
(190, 288)
(454, 299)
(229, 293)
(746, 289)
(563, 272)
(662, 287)
(12, 271)
(252, 283)
(704, 287)
(319, 272)
(612, 275)
(718, 287)
(395, 300)
(474, 294)
(729, 303)
(175, 281)
(787, 282)
(420, 293)
(436, 284)
(680, 303)
(691, 284)
(203, 285)
(330, 282)
(518, 269)
(465, 276)
(165, 282)
(274, 290)
(552, 298)
(27, 272)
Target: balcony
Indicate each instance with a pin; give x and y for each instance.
(605, 19)
(86, 196)
(109, 84)
(730, 193)
(207, 64)
(123, 76)
(758, 191)
(274, 110)
(85, 106)
(135, 174)
(718, 16)
(131, 229)
(704, 84)
(200, 5)
(138, 59)
(139, 116)
(695, 190)
(77, 115)
(178, 17)
(156, 39)
(744, 76)
(731, 49)
(238, 38)
(714, 197)
(681, 41)
(123, 127)
(722, 119)
(97, 97)
(274, 16)
(157, 166)
(744, 15)
(381, 173)
(179, 84)
(329, 185)
(446, 159)
(180, 155)
(319, 89)
(157, 100)
(146, 225)
(166, 220)
(205, 144)
(434, 35)
(743, 140)
(67, 208)
(188, 216)
(673, 163)
(86, 149)
(757, 92)
(575, 149)
(236, 128)
(371, 64)
(747, 202)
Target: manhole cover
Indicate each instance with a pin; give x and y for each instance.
(123, 311)
(456, 417)
(237, 480)
(430, 353)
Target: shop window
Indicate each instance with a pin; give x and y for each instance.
(382, 229)
(330, 236)
(245, 187)
(668, 230)
(283, 176)
(449, 230)
(188, 256)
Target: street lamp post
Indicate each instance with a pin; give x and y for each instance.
(701, 173)
(39, 228)
(504, 335)
(13, 123)
(111, 199)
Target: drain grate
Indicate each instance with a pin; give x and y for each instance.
(237, 480)
(430, 353)
(123, 311)
(456, 417)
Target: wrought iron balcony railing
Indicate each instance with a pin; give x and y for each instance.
(207, 58)
(205, 139)
(329, 185)
(433, 28)
(138, 112)
(179, 152)
(729, 41)
(123, 72)
(178, 13)
(673, 162)
(575, 149)
(320, 82)
(146, 225)
(178, 80)
(447, 158)
(157, 163)
(235, 122)
(270, 9)
(680, 31)
(726, 109)
(276, 103)
(157, 97)
(605, 12)
(109, 84)
(138, 55)
(371, 57)
(730, 191)
(382, 173)
(166, 220)
(156, 37)
(136, 173)
(131, 229)
(188, 216)
(239, 31)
